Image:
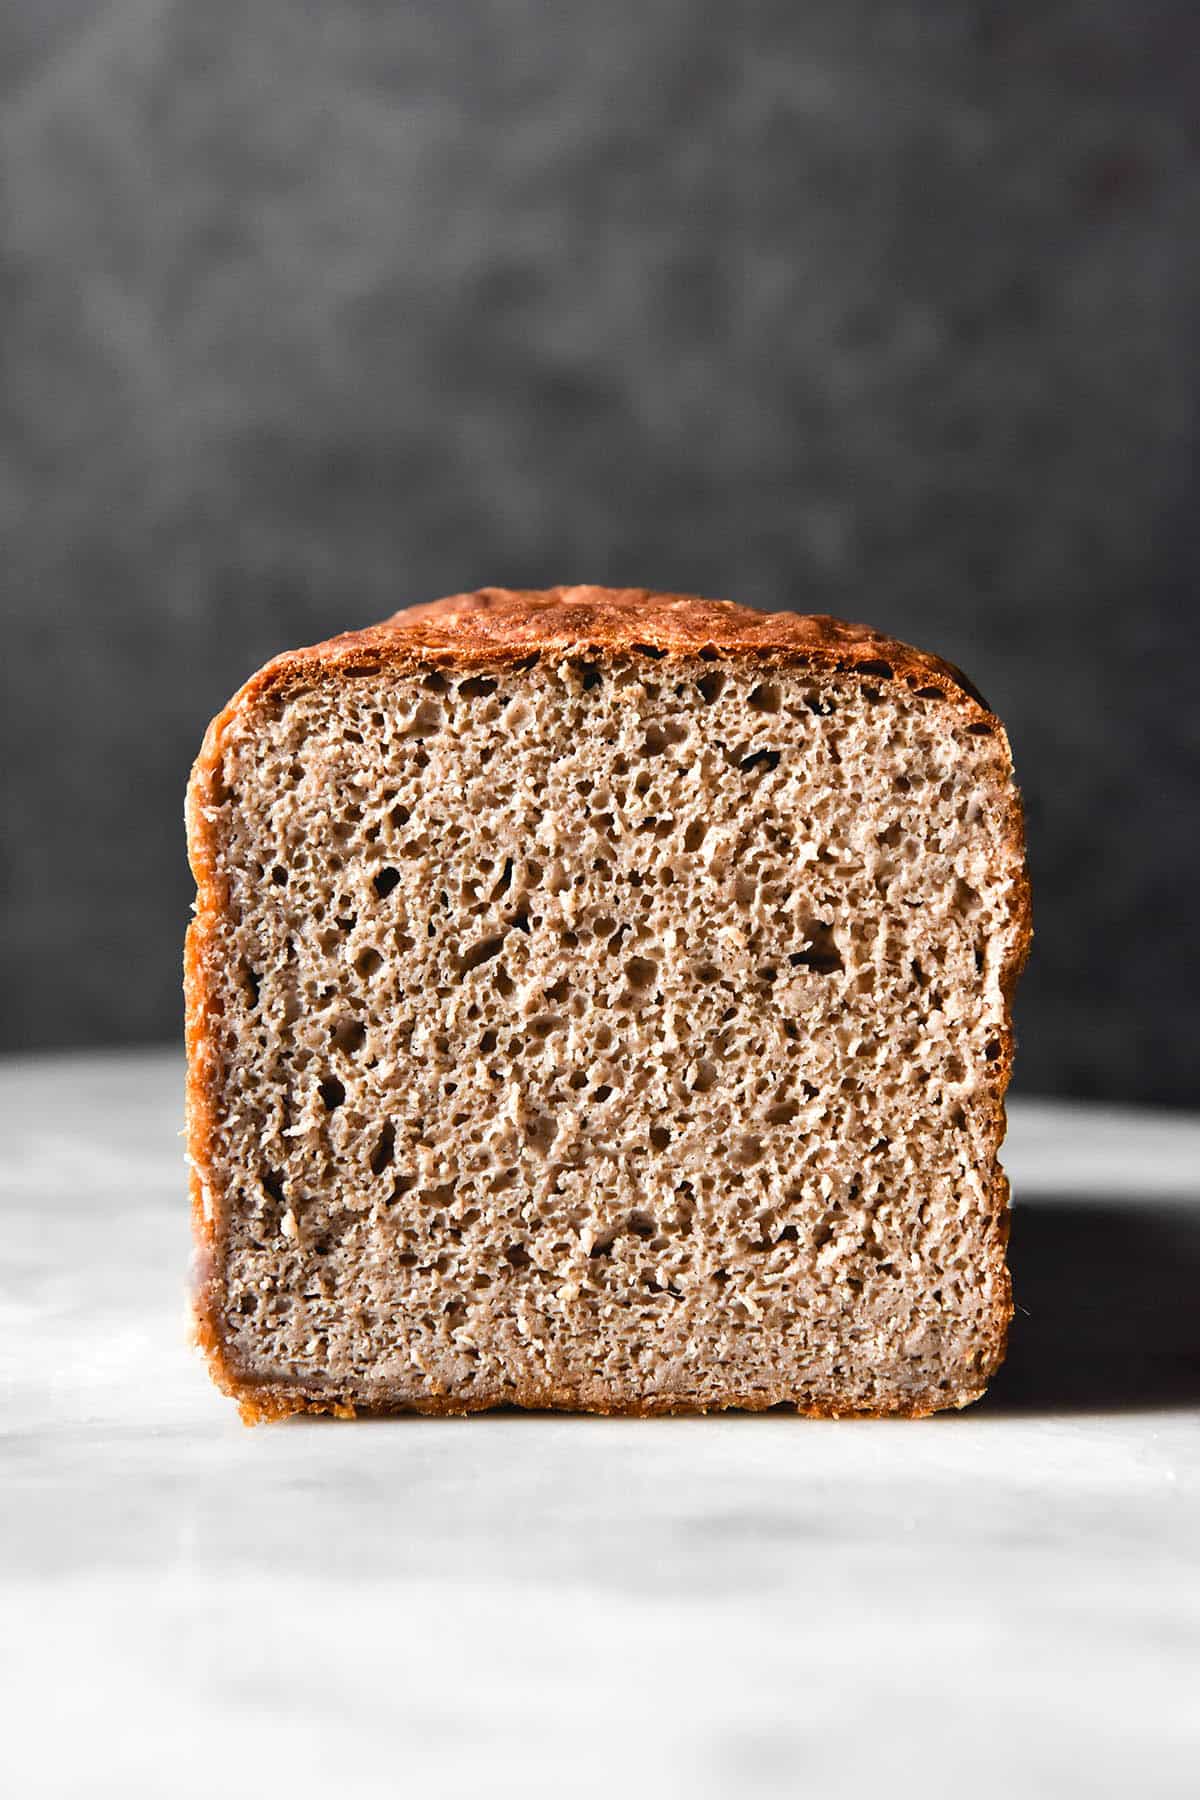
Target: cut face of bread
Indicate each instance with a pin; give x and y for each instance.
(601, 1001)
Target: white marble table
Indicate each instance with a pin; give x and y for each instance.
(1003, 1602)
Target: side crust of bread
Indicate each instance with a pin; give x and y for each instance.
(495, 627)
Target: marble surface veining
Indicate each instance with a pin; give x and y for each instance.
(1005, 1601)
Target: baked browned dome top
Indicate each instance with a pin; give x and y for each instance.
(503, 624)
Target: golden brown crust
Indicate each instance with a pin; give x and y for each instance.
(497, 626)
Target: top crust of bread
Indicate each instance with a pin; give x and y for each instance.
(505, 624)
(496, 626)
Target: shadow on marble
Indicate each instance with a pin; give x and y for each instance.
(1107, 1315)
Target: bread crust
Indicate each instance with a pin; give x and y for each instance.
(497, 626)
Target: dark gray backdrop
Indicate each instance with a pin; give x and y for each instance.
(887, 310)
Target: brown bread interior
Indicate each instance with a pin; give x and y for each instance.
(618, 1031)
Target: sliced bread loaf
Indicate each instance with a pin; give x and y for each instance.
(600, 999)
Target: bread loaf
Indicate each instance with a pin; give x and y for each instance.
(600, 999)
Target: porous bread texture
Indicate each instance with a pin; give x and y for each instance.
(603, 1027)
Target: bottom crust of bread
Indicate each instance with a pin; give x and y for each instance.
(267, 1403)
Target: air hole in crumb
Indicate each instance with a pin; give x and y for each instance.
(642, 1224)
(518, 1256)
(820, 952)
(655, 741)
(704, 1077)
(761, 759)
(991, 1050)
(747, 1151)
(766, 698)
(979, 729)
(929, 693)
(436, 682)
(368, 960)
(712, 686)
(641, 973)
(540, 1132)
(426, 720)
(660, 1137)
(721, 1277)
(589, 675)
(385, 881)
(332, 1093)
(821, 705)
(477, 687)
(480, 953)
(602, 1093)
(649, 650)
(384, 1149)
(505, 882)
(876, 668)
(695, 835)
(279, 876)
(349, 1035)
(788, 1235)
(253, 983)
(521, 921)
(272, 1185)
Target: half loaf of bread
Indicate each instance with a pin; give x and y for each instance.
(600, 999)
